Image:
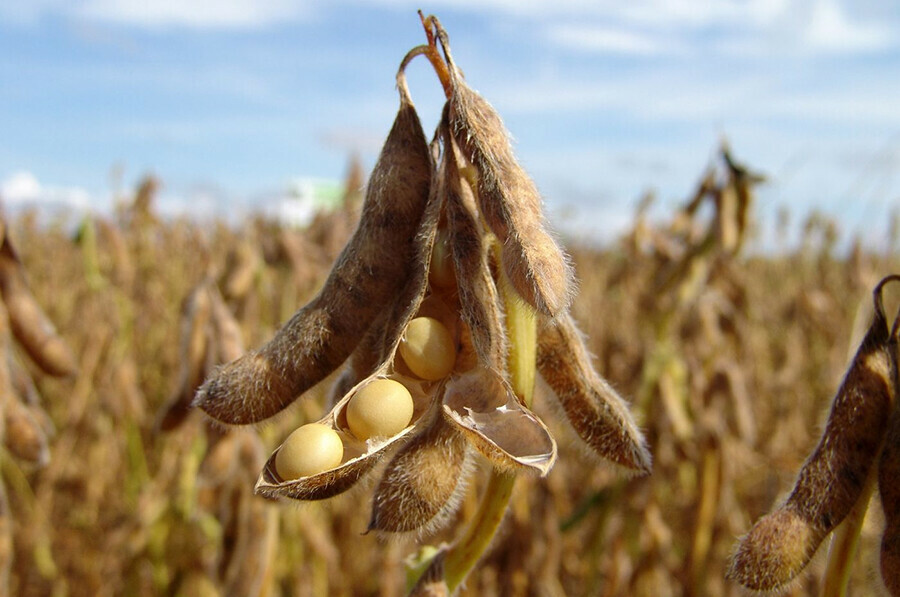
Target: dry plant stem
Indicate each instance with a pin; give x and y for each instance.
(710, 490)
(845, 542)
(434, 57)
(465, 553)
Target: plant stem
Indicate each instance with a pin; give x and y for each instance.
(465, 553)
(434, 57)
(845, 541)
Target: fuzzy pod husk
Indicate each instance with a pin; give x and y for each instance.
(470, 249)
(889, 488)
(419, 489)
(376, 261)
(600, 417)
(536, 265)
(831, 480)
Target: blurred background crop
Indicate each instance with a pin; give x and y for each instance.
(236, 105)
(177, 177)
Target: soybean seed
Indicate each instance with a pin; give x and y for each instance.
(382, 408)
(428, 348)
(309, 450)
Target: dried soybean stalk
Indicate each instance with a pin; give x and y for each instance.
(781, 543)
(29, 324)
(194, 352)
(321, 336)
(597, 413)
(509, 201)
(228, 341)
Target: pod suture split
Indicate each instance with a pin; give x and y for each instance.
(468, 304)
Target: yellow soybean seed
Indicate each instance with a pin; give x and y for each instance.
(442, 272)
(382, 408)
(309, 450)
(428, 349)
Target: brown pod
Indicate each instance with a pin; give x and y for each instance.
(6, 536)
(478, 295)
(509, 201)
(25, 437)
(889, 488)
(781, 544)
(432, 583)
(360, 456)
(29, 324)
(196, 330)
(228, 340)
(596, 412)
(420, 487)
(321, 336)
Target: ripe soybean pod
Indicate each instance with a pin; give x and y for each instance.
(509, 201)
(321, 335)
(781, 543)
(596, 412)
(470, 250)
(421, 486)
(889, 486)
(28, 323)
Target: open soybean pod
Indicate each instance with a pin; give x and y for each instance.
(29, 324)
(831, 480)
(596, 412)
(470, 249)
(359, 455)
(483, 407)
(509, 201)
(889, 488)
(376, 261)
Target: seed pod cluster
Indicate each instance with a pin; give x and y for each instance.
(831, 480)
(414, 306)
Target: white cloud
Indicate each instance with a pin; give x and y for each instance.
(193, 13)
(23, 189)
(221, 14)
(830, 29)
(604, 39)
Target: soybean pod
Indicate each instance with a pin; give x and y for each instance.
(831, 480)
(371, 268)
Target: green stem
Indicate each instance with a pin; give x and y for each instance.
(465, 553)
(845, 541)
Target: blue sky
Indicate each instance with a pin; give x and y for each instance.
(227, 101)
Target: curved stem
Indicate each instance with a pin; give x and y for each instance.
(465, 553)
(434, 57)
